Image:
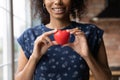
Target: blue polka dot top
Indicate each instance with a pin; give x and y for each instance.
(61, 63)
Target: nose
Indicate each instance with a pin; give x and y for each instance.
(58, 2)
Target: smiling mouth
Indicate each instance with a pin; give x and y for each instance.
(58, 10)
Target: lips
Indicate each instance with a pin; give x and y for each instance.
(58, 10)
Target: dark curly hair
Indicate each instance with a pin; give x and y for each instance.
(78, 8)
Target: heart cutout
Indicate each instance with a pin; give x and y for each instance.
(62, 37)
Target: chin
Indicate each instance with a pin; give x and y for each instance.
(60, 16)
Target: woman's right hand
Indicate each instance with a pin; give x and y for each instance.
(41, 44)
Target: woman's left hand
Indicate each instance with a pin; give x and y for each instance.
(80, 44)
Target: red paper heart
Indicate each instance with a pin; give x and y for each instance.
(61, 37)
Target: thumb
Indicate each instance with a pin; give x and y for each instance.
(54, 43)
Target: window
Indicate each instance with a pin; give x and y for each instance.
(22, 20)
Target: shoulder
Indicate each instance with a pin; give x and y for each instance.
(27, 38)
(88, 27)
(34, 29)
(30, 34)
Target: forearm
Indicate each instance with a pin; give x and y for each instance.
(99, 72)
(28, 71)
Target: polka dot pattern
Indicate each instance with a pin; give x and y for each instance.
(61, 63)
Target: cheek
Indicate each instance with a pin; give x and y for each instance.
(67, 3)
(48, 5)
(48, 9)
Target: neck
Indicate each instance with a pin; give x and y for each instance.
(58, 24)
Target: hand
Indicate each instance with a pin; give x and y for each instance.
(41, 44)
(80, 44)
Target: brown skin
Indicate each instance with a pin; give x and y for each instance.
(26, 67)
(99, 67)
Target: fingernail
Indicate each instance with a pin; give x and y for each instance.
(67, 30)
(77, 28)
(55, 30)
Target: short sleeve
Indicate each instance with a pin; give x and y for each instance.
(26, 43)
(96, 38)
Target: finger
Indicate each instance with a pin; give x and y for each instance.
(72, 31)
(75, 31)
(44, 42)
(38, 40)
(69, 30)
(54, 43)
(48, 40)
(79, 28)
(81, 32)
(78, 32)
(50, 32)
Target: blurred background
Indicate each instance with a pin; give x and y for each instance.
(16, 16)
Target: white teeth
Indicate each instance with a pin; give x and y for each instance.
(59, 10)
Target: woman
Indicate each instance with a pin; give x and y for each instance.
(42, 58)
